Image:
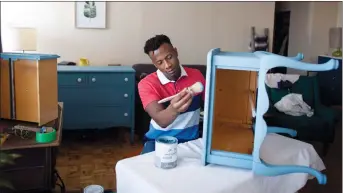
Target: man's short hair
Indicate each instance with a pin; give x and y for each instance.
(154, 43)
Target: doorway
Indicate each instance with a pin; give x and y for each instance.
(281, 34)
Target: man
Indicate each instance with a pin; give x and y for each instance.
(180, 116)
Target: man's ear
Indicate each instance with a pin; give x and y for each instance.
(177, 54)
(151, 55)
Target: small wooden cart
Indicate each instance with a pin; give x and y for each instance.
(28, 87)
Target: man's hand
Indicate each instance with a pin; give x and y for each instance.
(181, 102)
(164, 117)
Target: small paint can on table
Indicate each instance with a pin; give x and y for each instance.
(166, 152)
(93, 189)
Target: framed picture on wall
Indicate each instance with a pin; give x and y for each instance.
(90, 14)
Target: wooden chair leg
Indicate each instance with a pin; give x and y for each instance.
(325, 148)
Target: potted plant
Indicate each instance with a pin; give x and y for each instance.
(5, 159)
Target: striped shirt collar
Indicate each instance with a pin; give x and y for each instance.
(164, 80)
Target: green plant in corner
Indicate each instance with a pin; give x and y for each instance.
(6, 159)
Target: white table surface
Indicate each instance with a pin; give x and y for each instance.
(139, 175)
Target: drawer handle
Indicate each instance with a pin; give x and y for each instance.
(125, 114)
(126, 79)
(79, 80)
(126, 95)
(93, 79)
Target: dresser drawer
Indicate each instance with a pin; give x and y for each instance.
(111, 79)
(84, 117)
(95, 95)
(95, 79)
(72, 79)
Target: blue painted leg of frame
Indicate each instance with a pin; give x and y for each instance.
(274, 170)
(298, 57)
(290, 132)
(272, 129)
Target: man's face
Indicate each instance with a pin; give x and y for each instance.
(165, 58)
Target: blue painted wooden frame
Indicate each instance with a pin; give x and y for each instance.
(27, 56)
(261, 62)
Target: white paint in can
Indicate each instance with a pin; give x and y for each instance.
(166, 152)
(93, 189)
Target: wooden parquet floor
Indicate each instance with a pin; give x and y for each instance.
(89, 157)
(333, 164)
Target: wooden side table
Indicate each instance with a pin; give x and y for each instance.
(34, 171)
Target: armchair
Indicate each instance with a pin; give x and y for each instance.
(319, 127)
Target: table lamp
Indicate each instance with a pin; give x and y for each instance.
(23, 39)
(335, 41)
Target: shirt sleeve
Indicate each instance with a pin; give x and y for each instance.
(147, 93)
(203, 81)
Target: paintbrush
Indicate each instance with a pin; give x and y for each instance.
(195, 88)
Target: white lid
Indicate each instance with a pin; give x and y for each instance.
(93, 189)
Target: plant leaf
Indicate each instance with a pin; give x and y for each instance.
(14, 155)
(6, 158)
(6, 184)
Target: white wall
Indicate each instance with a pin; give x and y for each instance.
(194, 28)
(324, 17)
(309, 28)
(339, 14)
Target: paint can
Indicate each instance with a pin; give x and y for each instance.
(166, 152)
(93, 189)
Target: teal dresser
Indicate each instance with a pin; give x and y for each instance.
(97, 97)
